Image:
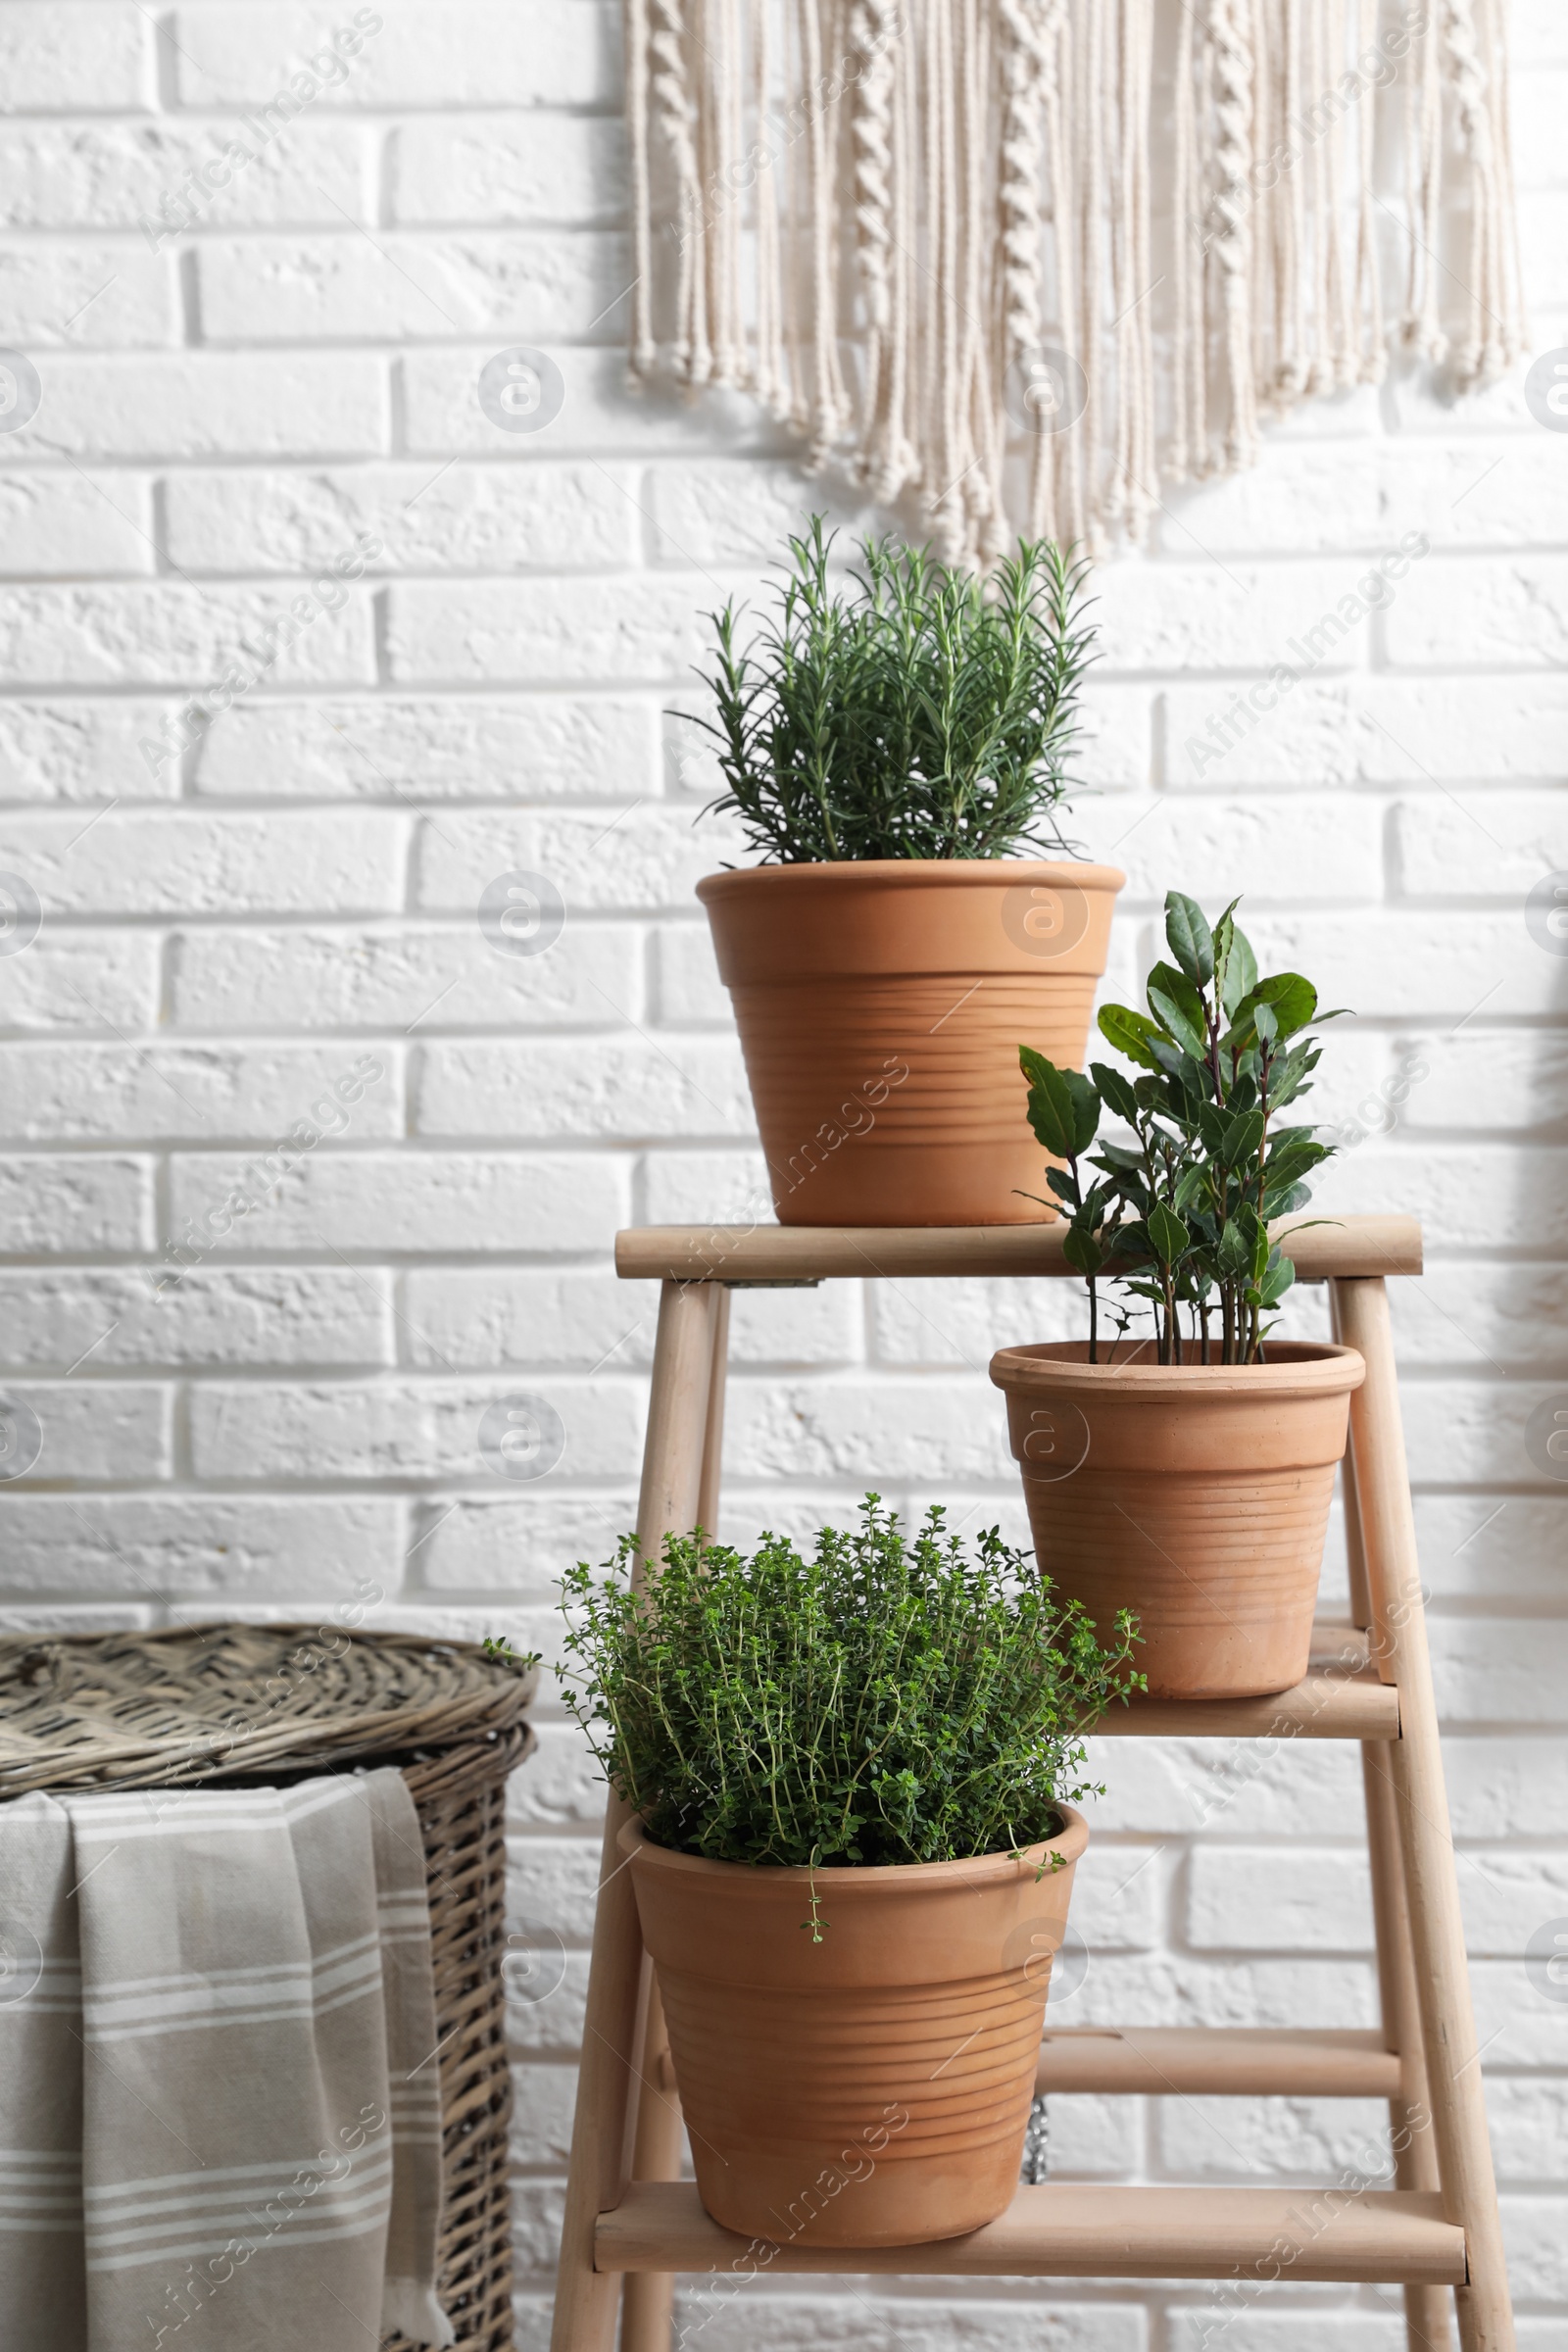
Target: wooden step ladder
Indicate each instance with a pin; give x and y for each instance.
(632, 2224)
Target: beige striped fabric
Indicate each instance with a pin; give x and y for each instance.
(220, 2098)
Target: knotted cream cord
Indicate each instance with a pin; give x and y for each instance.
(887, 220)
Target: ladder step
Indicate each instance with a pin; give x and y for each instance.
(1071, 2232)
(1340, 1639)
(1326, 1706)
(1340, 1246)
(1195, 2059)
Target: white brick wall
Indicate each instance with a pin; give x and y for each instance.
(228, 932)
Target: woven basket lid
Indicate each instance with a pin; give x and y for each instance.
(198, 1702)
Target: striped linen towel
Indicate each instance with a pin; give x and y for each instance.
(219, 2097)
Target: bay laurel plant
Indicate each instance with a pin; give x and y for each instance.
(1178, 1212)
(906, 712)
(885, 1701)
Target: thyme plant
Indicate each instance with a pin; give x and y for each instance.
(1179, 1215)
(883, 1702)
(912, 713)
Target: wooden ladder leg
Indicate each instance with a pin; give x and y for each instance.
(587, 2300)
(1415, 2158)
(648, 2300)
(1413, 1765)
(714, 1427)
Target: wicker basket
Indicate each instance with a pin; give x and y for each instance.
(275, 1702)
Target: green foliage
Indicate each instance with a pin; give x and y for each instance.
(1180, 1214)
(883, 1702)
(499, 1647)
(914, 712)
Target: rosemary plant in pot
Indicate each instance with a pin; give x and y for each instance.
(853, 1847)
(1187, 1475)
(896, 749)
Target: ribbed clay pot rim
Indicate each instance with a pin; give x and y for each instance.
(1292, 1368)
(911, 873)
(869, 1878)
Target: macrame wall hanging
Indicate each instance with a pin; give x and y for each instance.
(1024, 264)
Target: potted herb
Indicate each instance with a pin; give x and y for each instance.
(1187, 1474)
(853, 1850)
(897, 748)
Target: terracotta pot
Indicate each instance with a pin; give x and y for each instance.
(1196, 1496)
(871, 2089)
(881, 1008)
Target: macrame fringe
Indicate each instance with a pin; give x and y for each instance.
(1025, 263)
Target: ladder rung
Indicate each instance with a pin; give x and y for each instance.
(1071, 2232)
(1319, 1249)
(1326, 1706)
(1339, 1639)
(1255, 2061)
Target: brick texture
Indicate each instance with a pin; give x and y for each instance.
(299, 1177)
